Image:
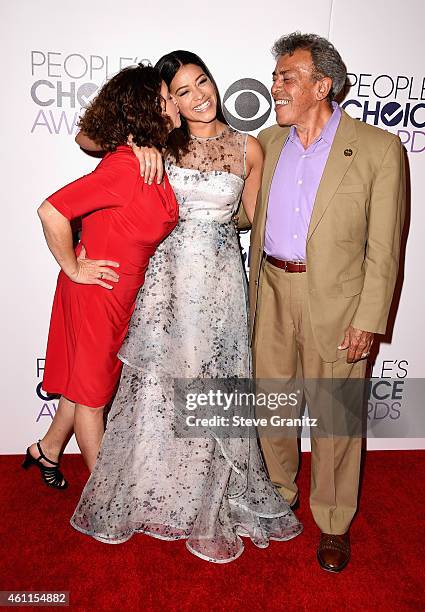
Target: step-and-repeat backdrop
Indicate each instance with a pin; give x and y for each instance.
(54, 56)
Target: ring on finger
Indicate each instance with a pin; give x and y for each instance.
(101, 275)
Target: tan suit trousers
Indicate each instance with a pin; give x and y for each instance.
(284, 348)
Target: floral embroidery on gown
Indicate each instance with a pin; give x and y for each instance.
(190, 321)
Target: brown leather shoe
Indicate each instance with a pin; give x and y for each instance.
(333, 552)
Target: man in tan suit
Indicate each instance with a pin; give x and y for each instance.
(325, 246)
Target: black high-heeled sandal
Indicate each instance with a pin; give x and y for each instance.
(52, 476)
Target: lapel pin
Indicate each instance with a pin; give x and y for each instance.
(348, 152)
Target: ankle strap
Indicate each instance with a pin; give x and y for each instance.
(43, 456)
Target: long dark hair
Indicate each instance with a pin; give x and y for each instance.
(129, 103)
(168, 66)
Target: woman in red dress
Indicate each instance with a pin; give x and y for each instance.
(123, 221)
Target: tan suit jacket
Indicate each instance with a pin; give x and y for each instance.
(353, 241)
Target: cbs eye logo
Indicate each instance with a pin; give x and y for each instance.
(247, 105)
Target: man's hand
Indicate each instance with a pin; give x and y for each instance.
(358, 343)
(150, 160)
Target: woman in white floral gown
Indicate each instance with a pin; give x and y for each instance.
(190, 321)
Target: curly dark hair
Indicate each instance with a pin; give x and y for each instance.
(129, 103)
(168, 65)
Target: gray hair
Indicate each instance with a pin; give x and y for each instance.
(327, 61)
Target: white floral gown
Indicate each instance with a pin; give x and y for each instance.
(190, 321)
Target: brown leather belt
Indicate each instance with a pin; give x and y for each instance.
(288, 266)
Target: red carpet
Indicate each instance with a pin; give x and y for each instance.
(40, 551)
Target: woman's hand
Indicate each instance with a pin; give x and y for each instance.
(150, 160)
(94, 271)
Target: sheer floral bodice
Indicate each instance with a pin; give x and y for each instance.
(222, 153)
(209, 178)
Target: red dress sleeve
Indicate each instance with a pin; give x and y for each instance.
(110, 185)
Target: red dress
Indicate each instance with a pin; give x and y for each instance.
(124, 220)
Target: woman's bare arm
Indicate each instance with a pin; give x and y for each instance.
(254, 169)
(58, 233)
(150, 159)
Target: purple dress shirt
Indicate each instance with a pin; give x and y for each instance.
(293, 191)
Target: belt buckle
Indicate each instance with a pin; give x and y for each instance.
(295, 263)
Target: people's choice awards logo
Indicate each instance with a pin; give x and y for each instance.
(393, 102)
(247, 105)
(63, 84)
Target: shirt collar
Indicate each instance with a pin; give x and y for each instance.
(328, 132)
